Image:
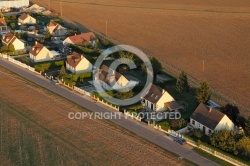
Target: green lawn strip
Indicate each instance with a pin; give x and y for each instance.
(212, 157)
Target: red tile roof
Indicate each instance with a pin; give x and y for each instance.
(36, 49)
(23, 16)
(9, 38)
(81, 38)
(51, 24)
(73, 59)
(2, 22)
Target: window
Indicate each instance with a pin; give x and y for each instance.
(209, 131)
(193, 122)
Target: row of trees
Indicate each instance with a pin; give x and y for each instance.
(231, 142)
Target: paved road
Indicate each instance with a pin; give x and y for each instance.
(138, 128)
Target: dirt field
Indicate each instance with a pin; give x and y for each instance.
(35, 130)
(181, 34)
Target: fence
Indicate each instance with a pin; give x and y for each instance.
(117, 108)
(127, 114)
(215, 153)
(23, 65)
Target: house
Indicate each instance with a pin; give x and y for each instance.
(3, 26)
(55, 29)
(9, 38)
(26, 19)
(77, 63)
(39, 53)
(81, 39)
(209, 119)
(109, 79)
(157, 99)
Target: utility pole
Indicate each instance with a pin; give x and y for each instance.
(203, 67)
(49, 4)
(61, 8)
(106, 28)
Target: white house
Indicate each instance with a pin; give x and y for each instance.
(9, 38)
(77, 63)
(81, 39)
(26, 19)
(3, 26)
(39, 53)
(109, 79)
(157, 99)
(208, 120)
(55, 29)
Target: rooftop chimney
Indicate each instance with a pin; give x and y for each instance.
(36, 42)
(210, 109)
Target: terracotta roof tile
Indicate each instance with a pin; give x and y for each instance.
(8, 38)
(73, 59)
(2, 22)
(36, 49)
(23, 16)
(81, 38)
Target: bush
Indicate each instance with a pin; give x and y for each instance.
(59, 63)
(42, 67)
(197, 133)
(164, 125)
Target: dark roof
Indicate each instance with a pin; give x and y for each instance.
(108, 75)
(153, 93)
(207, 116)
(73, 59)
(172, 105)
(9, 38)
(36, 49)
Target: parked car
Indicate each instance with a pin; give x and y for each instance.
(180, 140)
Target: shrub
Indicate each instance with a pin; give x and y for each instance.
(59, 63)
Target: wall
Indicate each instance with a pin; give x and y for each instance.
(17, 3)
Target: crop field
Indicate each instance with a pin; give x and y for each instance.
(35, 130)
(181, 34)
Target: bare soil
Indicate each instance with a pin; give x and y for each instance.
(181, 34)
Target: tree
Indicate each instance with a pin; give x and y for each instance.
(224, 140)
(243, 147)
(47, 34)
(247, 127)
(11, 48)
(12, 25)
(126, 58)
(182, 83)
(231, 111)
(124, 95)
(4, 48)
(157, 67)
(62, 72)
(203, 94)
(25, 36)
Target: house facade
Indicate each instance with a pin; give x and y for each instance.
(26, 19)
(77, 63)
(55, 29)
(81, 39)
(209, 120)
(155, 99)
(9, 38)
(109, 79)
(39, 53)
(3, 26)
